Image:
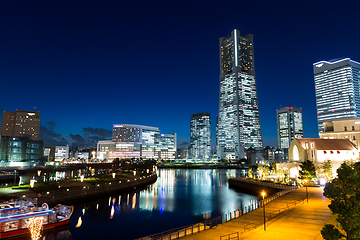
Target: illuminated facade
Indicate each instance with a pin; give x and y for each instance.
(290, 125)
(19, 150)
(165, 146)
(200, 136)
(61, 152)
(337, 90)
(348, 128)
(320, 150)
(137, 141)
(238, 125)
(21, 124)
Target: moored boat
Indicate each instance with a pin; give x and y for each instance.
(15, 216)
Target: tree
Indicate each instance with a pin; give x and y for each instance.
(250, 172)
(344, 193)
(308, 170)
(327, 169)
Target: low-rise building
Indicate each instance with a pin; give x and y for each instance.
(321, 150)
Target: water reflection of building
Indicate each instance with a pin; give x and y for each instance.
(137, 141)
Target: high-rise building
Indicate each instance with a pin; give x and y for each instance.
(166, 146)
(239, 118)
(200, 136)
(337, 90)
(21, 124)
(289, 125)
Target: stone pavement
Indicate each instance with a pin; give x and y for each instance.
(303, 221)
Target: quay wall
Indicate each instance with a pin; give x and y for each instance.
(73, 195)
(255, 188)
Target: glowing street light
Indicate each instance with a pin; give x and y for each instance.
(81, 178)
(39, 172)
(113, 175)
(307, 196)
(263, 193)
(134, 173)
(32, 182)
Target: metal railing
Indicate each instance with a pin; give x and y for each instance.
(201, 226)
(230, 236)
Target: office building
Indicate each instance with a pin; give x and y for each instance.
(200, 136)
(348, 128)
(165, 146)
(137, 141)
(337, 90)
(21, 124)
(61, 152)
(239, 118)
(20, 151)
(289, 125)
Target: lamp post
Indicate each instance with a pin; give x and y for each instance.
(307, 197)
(263, 193)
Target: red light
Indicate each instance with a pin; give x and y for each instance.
(330, 83)
(333, 111)
(315, 87)
(318, 113)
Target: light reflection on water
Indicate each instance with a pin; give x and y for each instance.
(179, 197)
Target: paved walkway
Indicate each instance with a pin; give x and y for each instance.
(303, 221)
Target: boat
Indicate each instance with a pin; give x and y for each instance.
(16, 216)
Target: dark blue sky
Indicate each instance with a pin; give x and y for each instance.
(86, 65)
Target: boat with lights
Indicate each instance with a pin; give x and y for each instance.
(16, 217)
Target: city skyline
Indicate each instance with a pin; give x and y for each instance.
(86, 67)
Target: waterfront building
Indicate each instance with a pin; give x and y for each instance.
(200, 136)
(21, 124)
(239, 118)
(337, 90)
(61, 152)
(49, 153)
(165, 146)
(348, 128)
(321, 150)
(273, 155)
(289, 125)
(20, 151)
(136, 141)
(183, 153)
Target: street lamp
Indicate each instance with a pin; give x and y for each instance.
(263, 193)
(307, 197)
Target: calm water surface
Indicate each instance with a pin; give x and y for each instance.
(179, 197)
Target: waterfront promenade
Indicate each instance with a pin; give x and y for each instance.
(301, 221)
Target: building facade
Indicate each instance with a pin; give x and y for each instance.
(165, 146)
(239, 118)
(320, 150)
(21, 124)
(61, 152)
(137, 141)
(337, 90)
(200, 136)
(289, 125)
(20, 150)
(348, 128)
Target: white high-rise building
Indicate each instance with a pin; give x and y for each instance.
(238, 123)
(337, 90)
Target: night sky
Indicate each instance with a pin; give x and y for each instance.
(86, 65)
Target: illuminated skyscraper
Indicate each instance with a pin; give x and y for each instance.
(239, 118)
(337, 90)
(200, 136)
(290, 125)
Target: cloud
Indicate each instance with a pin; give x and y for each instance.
(88, 139)
(50, 137)
(100, 132)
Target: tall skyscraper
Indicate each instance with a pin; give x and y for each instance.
(200, 136)
(290, 125)
(239, 118)
(337, 90)
(21, 124)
